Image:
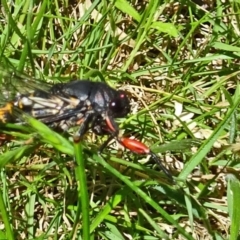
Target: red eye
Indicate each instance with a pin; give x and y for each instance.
(120, 106)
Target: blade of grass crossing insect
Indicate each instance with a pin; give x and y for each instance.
(142, 194)
(50, 136)
(82, 191)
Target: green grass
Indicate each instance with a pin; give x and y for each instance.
(179, 63)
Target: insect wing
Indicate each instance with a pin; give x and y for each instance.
(22, 94)
(15, 93)
(14, 84)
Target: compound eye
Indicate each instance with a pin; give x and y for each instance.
(120, 105)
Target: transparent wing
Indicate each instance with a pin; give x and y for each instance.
(14, 84)
(21, 94)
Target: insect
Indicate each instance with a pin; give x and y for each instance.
(91, 105)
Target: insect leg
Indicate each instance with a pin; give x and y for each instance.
(112, 126)
(106, 143)
(140, 148)
(84, 125)
(133, 145)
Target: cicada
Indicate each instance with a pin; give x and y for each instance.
(83, 103)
